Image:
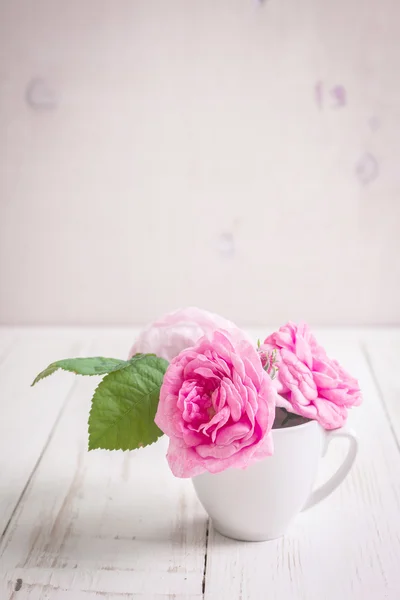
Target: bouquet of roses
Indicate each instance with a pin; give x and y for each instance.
(200, 380)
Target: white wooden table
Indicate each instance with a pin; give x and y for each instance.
(84, 526)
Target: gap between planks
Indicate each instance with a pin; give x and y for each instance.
(24, 406)
(379, 387)
(203, 585)
(116, 494)
(353, 535)
(36, 465)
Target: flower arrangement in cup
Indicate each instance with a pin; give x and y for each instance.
(200, 380)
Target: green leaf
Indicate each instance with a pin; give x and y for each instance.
(124, 406)
(97, 365)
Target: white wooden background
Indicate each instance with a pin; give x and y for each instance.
(83, 526)
(164, 153)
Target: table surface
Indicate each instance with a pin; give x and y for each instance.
(83, 526)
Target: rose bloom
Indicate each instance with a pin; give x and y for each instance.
(309, 382)
(217, 405)
(181, 329)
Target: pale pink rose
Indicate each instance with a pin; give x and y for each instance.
(181, 329)
(310, 383)
(217, 405)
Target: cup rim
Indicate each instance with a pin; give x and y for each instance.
(312, 423)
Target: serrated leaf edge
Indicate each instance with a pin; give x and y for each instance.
(90, 435)
(54, 367)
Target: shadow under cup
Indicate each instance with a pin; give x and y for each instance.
(258, 503)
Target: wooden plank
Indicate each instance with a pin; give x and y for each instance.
(28, 414)
(90, 582)
(38, 592)
(348, 546)
(111, 524)
(383, 358)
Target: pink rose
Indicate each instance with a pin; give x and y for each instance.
(181, 329)
(310, 383)
(217, 405)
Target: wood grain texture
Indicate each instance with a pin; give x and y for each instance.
(384, 359)
(38, 592)
(117, 526)
(347, 547)
(28, 414)
(112, 524)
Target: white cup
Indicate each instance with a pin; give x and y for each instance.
(258, 503)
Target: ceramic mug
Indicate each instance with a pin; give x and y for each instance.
(258, 503)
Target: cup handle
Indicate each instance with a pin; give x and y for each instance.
(336, 479)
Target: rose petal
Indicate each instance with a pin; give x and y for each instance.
(232, 433)
(312, 384)
(218, 417)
